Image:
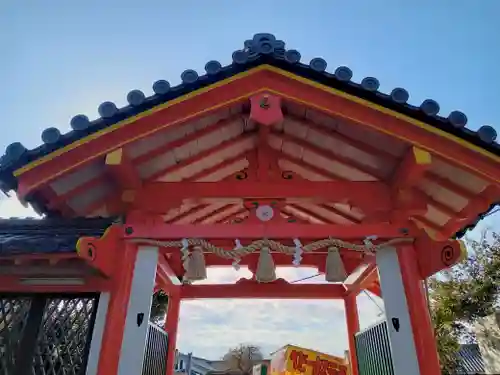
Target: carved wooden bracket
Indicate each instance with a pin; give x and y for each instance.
(434, 256)
(101, 252)
(265, 109)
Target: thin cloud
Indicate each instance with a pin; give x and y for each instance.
(11, 207)
(209, 327)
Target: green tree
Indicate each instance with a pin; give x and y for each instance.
(159, 307)
(462, 295)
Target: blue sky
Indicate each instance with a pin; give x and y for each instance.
(61, 58)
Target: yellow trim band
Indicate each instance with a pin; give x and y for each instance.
(132, 119)
(238, 76)
(421, 157)
(385, 110)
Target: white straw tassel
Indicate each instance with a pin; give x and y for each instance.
(196, 267)
(236, 261)
(334, 269)
(297, 255)
(266, 271)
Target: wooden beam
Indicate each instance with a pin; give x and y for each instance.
(363, 276)
(203, 174)
(279, 289)
(22, 284)
(211, 152)
(412, 169)
(433, 256)
(121, 169)
(259, 231)
(375, 289)
(266, 164)
(157, 197)
(329, 155)
(165, 269)
(213, 213)
(408, 200)
(476, 206)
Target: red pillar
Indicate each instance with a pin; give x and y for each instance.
(171, 325)
(117, 311)
(423, 331)
(352, 319)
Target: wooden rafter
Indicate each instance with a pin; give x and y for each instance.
(120, 168)
(372, 173)
(202, 155)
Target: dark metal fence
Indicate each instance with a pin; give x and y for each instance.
(374, 351)
(45, 334)
(155, 356)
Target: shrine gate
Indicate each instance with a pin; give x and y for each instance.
(267, 162)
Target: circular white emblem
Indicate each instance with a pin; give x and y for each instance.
(264, 213)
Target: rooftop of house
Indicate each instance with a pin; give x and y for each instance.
(470, 359)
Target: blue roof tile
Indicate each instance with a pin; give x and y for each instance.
(30, 236)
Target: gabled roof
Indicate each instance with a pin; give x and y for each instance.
(262, 49)
(217, 143)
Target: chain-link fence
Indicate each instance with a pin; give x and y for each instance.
(43, 334)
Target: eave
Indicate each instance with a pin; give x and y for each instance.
(279, 73)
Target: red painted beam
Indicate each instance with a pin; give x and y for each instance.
(157, 197)
(412, 169)
(252, 289)
(166, 270)
(364, 279)
(375, 289)
(259, 231)
(121, 169)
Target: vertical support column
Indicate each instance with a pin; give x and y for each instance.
(423, 331)
(171, 325)
(97, 334)
(139, 306)
(352, 319)
(401, 336)
(114, 328)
